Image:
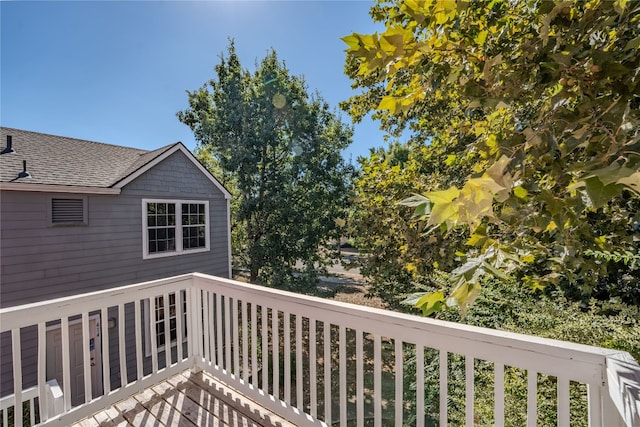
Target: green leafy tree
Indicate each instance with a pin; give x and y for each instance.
(395, 254)
(281, 148)
(544, 95)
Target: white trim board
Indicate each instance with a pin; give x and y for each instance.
(50, 188)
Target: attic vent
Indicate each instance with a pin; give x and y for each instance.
(68, 211)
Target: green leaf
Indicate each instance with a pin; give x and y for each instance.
(633, 44)
(520, 192)
(353, 41)
(431, 302)
(413, 201)
(600, 194)
(495, 271)
(612, 173)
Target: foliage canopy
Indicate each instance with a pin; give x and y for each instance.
(538, 103)
(280, 150)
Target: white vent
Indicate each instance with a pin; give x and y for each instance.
(67, 211)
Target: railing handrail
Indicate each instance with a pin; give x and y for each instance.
(407, 325)
(21, 316)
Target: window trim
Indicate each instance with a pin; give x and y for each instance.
(85, 211)
(179, 249)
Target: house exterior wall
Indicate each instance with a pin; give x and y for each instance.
(43, 261)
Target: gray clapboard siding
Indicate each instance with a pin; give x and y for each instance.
(40, 260)
(43, 261)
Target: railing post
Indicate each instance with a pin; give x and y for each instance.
(54, 399)
(610, 415)
(194, 314)
(621, 400)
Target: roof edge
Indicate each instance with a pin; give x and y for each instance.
(55, 188)
(178, 146)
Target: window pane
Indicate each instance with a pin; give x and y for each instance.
(162, 220)
(151, 208)
(172, 209)
(162, 208)
(171, 219)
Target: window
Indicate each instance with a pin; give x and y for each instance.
(173, 227)
(159, 320)
(159, 324)
(68, 211)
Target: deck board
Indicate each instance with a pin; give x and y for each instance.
(186, 400)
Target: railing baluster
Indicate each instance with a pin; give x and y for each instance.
(228, 363)
(66, 364)
(32, 412)
(264, 313)
(106, 364)
(191, 319)
(207, 328)
(342, 372)
(276, 353)
(399, 372)
(86, 356)
(209, 316)
(121, 346)
(16, 351)
(287, 358)
(167, 330)
(236, 340)
(137, 309)
(254, 344)
(245, 342)
(469, 373)
(326, 344)
(532, 398)
(42, 371)
(198, 322)
(299, 363)
(377, 381)
(419, 386)
(153, 334)
(444, 387)
(498, 371)
(179, 325)
(563, 401)
(359, 379)
(313, 365)
(220, 347)
(594, 399)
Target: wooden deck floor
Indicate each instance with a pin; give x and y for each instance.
(185, 400)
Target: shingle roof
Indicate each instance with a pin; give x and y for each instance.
(58, 160)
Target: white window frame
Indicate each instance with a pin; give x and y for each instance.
(179, 226)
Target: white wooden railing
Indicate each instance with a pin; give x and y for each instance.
(321, 362)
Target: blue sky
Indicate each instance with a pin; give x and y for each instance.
(117, 72)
